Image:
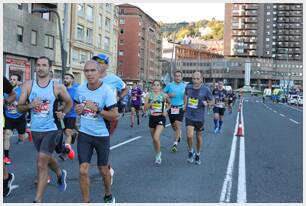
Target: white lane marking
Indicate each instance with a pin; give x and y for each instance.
(274, 111)
(257, 101)
(300, 110)
(294, 121)
(227, 183)
(125, 142)
(282, 115)
(167, 125)
(241, 190)
(246, 100)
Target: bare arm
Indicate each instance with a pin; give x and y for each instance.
(66, 99)
(124, 92)
(23, 106)
(11, 97)
(146, 105)
(185, 102)
(111, 114)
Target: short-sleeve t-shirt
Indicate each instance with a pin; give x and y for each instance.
(91, 123)
(11, 109)
(195, 109)
(178, 89)
(115, 83)
(136, 96)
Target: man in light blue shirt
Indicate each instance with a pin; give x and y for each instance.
(175, 91)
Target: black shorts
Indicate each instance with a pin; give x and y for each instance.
(86, 145)
(157, 120)
(198, 126)
(69, 122)
(45, 142)
(137, 107)
(19, 124)
(219, 110)
(176, 117)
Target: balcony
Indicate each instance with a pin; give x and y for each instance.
(250, 26)
(251, 13)
(251, 7)
(238, 13)
(251, 20)
(250, 33)
(298, 7)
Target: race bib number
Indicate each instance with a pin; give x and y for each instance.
(193, 103)
(175, 110)
(43, 109)
(12, 108)
(156, 107)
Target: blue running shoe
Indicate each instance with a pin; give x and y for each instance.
(190, 157)
(61, 182)
(219, 130)
(216, 130)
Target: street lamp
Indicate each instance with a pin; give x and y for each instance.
(63, 51)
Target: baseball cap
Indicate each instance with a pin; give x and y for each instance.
(70, 74)
(101, 58)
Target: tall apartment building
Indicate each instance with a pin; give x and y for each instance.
(273, 31)
(139, 49)
(93, 30)
(264, 30)
(27, 36)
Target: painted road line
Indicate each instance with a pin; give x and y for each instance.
(274, 111)
(300, 110)
(241, 190)
(125, 142)
(227, 183)
(294, 121)
(282, 115)
(167, 125)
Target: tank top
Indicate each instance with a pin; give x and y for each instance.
(11, 109)
(157, 103)
(42, 119)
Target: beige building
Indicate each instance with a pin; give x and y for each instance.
(90, 29)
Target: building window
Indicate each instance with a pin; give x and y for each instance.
(49, 41)
(100, 21)
(121, 53)
(100, 41)
(83, 57)
(46, 16)
(19, 33)
(122, 21)
(108, 7)
(19, 6)
(121, 42)
(268, 20)
(33, 37)
(106, 43)
(268, 13)
(75, 56)
(89, 35)
(121, 11)
(89, 13)
(80, 10)
(80, 33)
(107, 24)
(122, 31)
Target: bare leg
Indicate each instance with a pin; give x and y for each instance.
(84, 181)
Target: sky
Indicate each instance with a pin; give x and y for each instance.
(178, 12)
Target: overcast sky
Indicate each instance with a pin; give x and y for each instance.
(177, 12)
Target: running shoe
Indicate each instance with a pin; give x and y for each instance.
(179, 140)
(190, 157)
(7, 160)
(174, 148)
(131, 125)
(197, 160)
(8, 188)
(69, 151)
(110, 199)
(219, 130)
(29, 135)
(61, 182)
(158, 159)
(216, 130)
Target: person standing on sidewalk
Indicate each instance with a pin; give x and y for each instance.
(42, 94)
(95, 103)
(197, 97)
(175, 90)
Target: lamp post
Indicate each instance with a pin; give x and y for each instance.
(63, 51)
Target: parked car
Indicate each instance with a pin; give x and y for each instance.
(300, 100)
(293, 99)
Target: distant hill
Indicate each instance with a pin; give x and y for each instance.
(193, 29)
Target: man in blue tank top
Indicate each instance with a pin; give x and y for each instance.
(175, 91)
(41, 95)
(197, 97)
(95, 103)
(13, 119)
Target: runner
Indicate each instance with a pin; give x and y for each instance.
(13, 120)
(95, 102)
(143, 96)
(42, 94)
(175, 91)
(219, 108)
(197, 97)
(119, 89)
(156, 102)
(8, 178)
(135, 103)
(231, 99)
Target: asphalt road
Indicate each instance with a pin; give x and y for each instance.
(272, 153)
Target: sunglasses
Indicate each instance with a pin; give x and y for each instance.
(100, 61)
